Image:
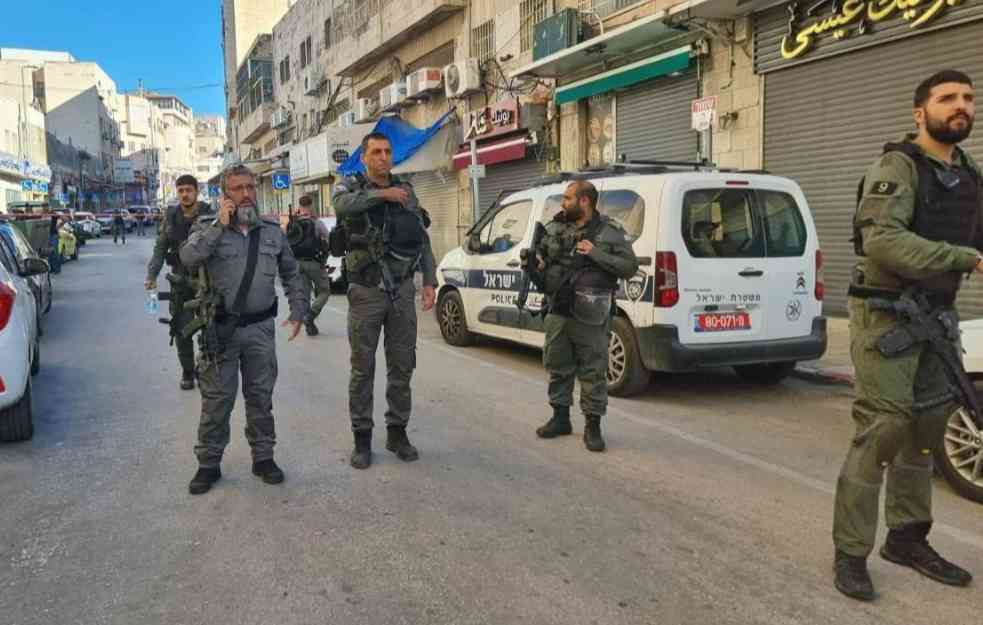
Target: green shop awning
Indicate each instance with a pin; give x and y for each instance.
(661, 65)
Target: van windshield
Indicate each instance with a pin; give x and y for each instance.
(621, 205)
(742, 223)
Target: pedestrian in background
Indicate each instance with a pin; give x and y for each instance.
(119, 227)
(308, 238)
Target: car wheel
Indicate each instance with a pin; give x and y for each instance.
(627, 374)
(36, 359)
(959, 456)
(765, 373)
(17, 421)
(453, 324)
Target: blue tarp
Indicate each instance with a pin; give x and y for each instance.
(406, 139)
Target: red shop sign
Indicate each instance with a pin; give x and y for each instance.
(490, 121)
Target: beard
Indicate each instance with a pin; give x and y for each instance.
(942, 131)
(247, 215)
(573, 214)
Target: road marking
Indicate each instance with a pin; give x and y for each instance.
(666, 428)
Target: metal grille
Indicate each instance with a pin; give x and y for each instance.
(514, 176)
(826, 122)
(483, 41)
(439, 197)
(654, 119)
(531, 12)
(603, 8)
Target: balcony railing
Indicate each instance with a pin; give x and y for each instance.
(367, 30)
(256, 123)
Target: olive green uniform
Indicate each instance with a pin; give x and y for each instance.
(251, 349)
(370, 310)
(579, 319)
(898, 423)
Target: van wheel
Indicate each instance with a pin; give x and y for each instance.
(627, 375)
(765, 373)
(453, 323)
(959, 456)
(17, 421)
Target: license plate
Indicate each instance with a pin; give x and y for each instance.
(722, 322)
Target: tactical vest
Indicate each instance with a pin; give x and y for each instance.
(178, 229)
(566, 270)
(397, 232)
(303, 239)
(942, 213)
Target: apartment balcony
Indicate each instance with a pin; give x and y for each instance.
(255, 125)
(392, 25)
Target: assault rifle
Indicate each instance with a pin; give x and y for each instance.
(938, 329)
(374, 245)
(204, 306)
(530, 267)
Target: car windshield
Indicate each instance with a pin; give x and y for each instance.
(742, 223)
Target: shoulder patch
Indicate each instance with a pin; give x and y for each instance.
(883, 187)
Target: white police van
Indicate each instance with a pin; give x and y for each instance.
(730, 272)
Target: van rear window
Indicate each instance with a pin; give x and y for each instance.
(742, 223)
(621, 205)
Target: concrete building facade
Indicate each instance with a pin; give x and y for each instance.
(177, 142)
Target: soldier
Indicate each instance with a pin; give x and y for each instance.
(119, 227)
(243, 254)
(581, 257)
(174, 230)
(917, 225)
(388, 242)
(308, 237)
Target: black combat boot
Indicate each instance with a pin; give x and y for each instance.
(908, 546)
(592, 433)
(187, 380)
(362, 454)
(558, 425)
(203, 480)
(268, 471)
(309, 326)
(397, 443)
(852, 578)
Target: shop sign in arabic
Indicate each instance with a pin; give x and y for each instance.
(858, 15)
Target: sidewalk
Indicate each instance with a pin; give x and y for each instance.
(835, 367)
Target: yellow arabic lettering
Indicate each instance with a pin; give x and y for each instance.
(931, 12)
(803, 40)
(879, 10)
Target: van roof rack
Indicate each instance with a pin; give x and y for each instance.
(694, 165)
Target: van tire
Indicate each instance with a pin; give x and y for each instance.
(17, 421)
(452, 320)
(623, 354)
(765, 373)
(945, 460)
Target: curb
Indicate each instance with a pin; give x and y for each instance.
(823, 376)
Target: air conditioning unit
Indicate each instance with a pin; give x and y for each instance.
(280, 117)
(462, 78)
(392, 96)
(423, 82)
(365, 109)
(347, 119)
(314, 81)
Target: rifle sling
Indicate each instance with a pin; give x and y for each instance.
(247, 276)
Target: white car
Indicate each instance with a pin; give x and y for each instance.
(730, 273)
(960, 452)
(19, 344)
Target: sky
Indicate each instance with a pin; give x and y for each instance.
(174, 46)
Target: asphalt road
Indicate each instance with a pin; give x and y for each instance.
(712, 504)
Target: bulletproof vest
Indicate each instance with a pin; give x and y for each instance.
(570, 270)
(178, 229)
(403, 232)
(303, 239)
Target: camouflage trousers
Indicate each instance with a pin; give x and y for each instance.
(180, 319)
(370, 312)
(900, 412)
(317, 281)
(576, 351)
(251, 351)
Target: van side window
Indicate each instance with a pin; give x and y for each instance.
(625, 207)
(720, 223)
(784, 228)
(506, 229)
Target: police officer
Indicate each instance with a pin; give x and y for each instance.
(119, 227)
(581, 256)
(917, 225)
(383, 215)
(225, 246)
(308, 237)
(174, 230)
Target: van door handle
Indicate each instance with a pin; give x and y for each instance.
(513, 263)
(751, 273)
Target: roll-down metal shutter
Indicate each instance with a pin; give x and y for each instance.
(439, 196)
(514, 176)
(826, 122)
(654, 119)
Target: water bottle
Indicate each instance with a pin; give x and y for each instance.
(151, 306)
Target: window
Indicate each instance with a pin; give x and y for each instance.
(504, 230)
(621, 205)
(305, 53)
(483, 41)
(6, 256)
(603, 8)
(285, 69)
(785, 231)
(720, 223)
(531, 12)
(327, 33)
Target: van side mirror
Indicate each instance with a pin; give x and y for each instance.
(34, 267)
(474, 244)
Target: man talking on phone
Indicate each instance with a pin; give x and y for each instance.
(243, 254)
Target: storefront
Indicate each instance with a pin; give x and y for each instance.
(838, 86)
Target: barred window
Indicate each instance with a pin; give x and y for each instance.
(483, 41)
(531, 12)
(327, 33)
(603, 8)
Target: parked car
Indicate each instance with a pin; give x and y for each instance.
(21, 250)
(141, 211)
(91, 227)
(335, 265)
(19, 344)
(730, 273)
(959, 455)
(105, 220)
